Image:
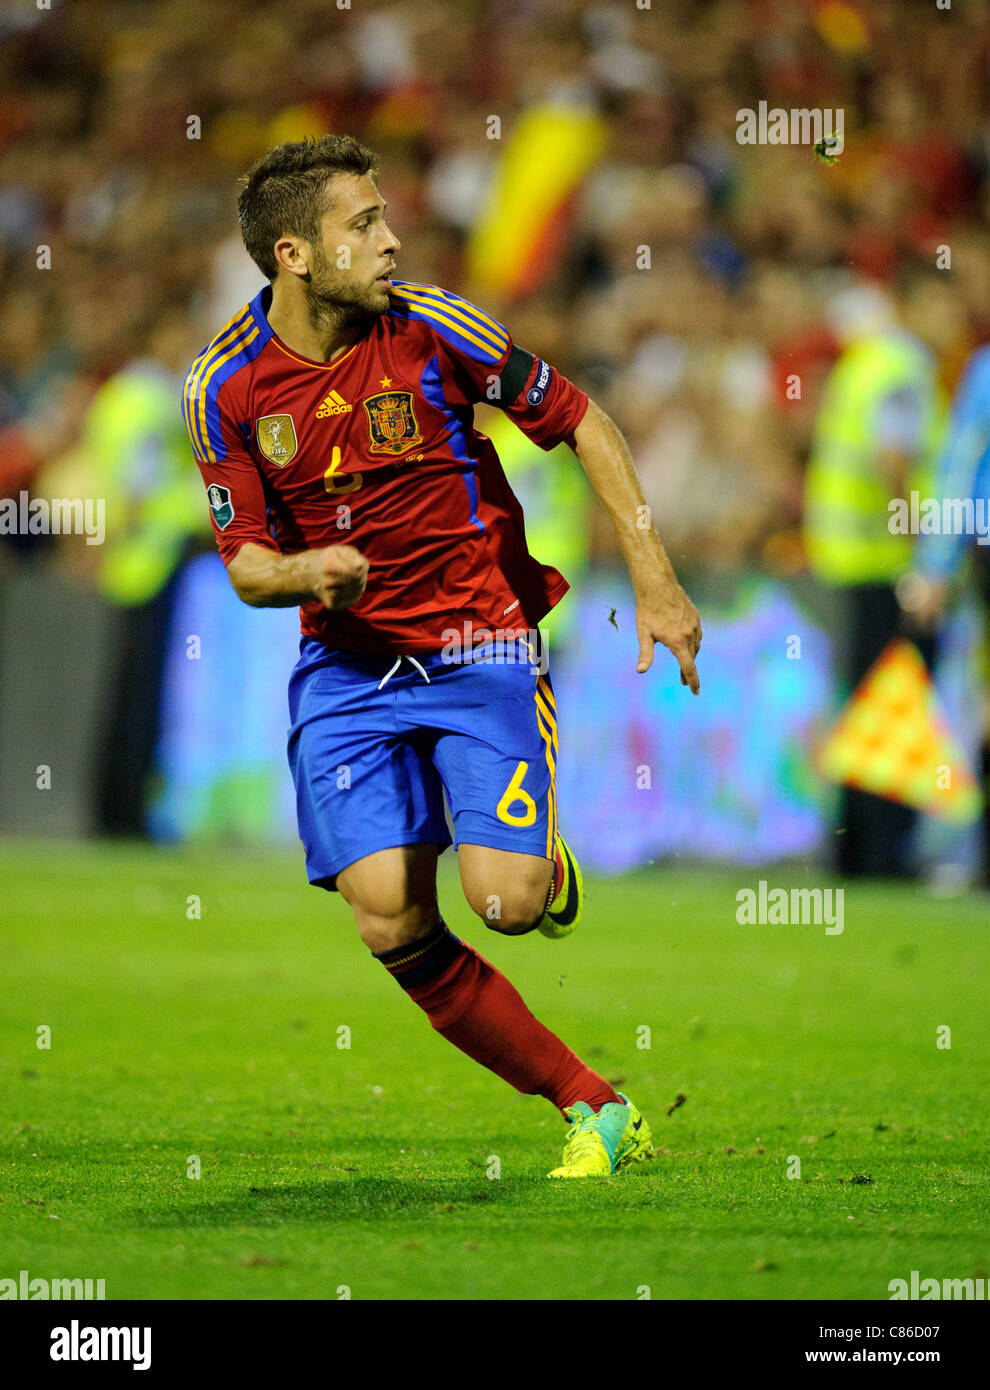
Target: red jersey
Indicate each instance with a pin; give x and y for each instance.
(377, 449)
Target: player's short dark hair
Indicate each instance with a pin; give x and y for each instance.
(285, 193)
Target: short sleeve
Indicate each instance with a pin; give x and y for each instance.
(235, 492)
(543, 403)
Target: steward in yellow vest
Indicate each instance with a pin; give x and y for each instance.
(876, 438)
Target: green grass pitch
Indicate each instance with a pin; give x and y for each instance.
(367, 1168)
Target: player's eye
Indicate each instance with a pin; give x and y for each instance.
(363, 226)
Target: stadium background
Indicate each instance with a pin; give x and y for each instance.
(817, 1100)
(750, 247)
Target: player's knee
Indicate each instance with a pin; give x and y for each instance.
(512, 913)
(392, 894)
(387, 933)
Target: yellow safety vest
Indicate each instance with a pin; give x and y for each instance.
(847, 497)
(148, 518)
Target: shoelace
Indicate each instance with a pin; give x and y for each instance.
(398, 662)
(581, 1140)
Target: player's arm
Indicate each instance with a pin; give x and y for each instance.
(335, 574)
(487, 365)
(260, 574)
(664, 613)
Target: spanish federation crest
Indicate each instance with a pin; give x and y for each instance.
(277, 438)
(391, 423)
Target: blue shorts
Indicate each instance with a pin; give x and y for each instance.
(371, 762)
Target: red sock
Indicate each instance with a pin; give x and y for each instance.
(475, 1007)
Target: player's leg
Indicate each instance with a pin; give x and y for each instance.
(498, 760)
(508, 890)
(516, 893)
(393, 895)
(370, 805)
(496, 755)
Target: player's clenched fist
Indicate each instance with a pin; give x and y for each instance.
(339, 575)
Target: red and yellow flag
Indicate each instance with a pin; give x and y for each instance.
(892, 739)
(518, 234)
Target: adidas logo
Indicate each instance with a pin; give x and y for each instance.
(333, 405)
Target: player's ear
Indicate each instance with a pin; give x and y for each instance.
(292, 254)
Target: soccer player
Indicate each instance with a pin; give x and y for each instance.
(332, 420)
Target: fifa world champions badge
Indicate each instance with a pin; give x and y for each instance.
(277, 438)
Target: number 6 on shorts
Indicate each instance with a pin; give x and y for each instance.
(515, 793)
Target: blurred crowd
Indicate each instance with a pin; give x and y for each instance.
(693, 357)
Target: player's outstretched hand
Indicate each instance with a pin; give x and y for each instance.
(668, 616)
(339, 575)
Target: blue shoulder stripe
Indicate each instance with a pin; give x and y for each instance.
(464, 326)
(239, 343)
(191, 399)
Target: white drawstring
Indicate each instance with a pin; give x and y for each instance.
(398, 662)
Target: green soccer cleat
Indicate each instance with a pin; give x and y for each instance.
(564, 912)
(600, 1144)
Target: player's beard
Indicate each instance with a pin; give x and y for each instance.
(336, 299)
